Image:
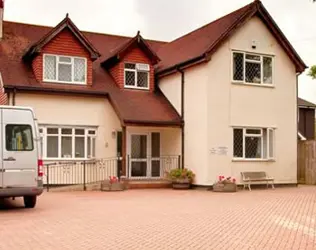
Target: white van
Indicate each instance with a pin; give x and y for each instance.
(21, 167)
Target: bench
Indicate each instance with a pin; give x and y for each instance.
(249, 178)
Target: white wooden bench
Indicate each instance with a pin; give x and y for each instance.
(249, 178)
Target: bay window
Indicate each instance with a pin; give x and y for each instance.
(68, 143)
(64, 69)
(253, 143)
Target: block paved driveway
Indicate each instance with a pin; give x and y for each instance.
(284, 218)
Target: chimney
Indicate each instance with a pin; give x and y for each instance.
(1, 17)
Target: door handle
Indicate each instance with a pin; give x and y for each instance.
(9, 159)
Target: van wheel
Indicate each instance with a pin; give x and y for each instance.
(29, 201)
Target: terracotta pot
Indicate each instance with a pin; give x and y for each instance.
(228, 187)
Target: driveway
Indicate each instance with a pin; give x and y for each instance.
(284, 218)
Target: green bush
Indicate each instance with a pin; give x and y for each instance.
(181, 173)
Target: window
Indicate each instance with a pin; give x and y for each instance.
(254, 143)
(65, 69)
(251, 68)
(136, 75)
(67, 142)
(19, 137)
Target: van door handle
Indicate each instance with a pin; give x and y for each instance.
(9, 159)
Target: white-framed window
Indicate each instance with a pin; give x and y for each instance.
(252, 68)
(253, 143)
(136, 75)
(64, 69)
(68, 142)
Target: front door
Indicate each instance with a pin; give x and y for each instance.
(144, 151)
(19, 149)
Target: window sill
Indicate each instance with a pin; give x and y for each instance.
(252, 160)
(254, 84)
(68, 83)
(135, 88)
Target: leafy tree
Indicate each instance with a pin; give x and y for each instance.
(312, 71)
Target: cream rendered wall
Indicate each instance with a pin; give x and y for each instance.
(239, 105)
(171, 87)
(76, 111)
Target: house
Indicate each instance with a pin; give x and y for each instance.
(306, 119)
(219, 100)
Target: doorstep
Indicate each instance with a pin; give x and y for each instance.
(148, 183)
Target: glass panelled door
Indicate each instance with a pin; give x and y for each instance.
(139, 148)
(145, 155)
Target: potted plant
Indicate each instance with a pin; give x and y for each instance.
(181, 178)
(113, 184)
(225, 184)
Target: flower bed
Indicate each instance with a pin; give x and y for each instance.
(225, 184)
(113, 184)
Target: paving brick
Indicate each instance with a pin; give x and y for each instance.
(284, 218)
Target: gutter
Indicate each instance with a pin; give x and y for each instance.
(12, 88)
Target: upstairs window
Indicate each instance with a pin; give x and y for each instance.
(136, 75)
(252, 68)
(65, 69)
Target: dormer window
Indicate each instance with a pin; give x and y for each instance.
(136, 75)
(64, 69)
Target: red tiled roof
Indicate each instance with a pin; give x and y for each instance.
(118, 52)
(132, 106)
(198, 45)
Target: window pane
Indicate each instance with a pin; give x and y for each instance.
(93, 147)
(155, 145)
(129, 65)
(52, 130)
(52, 146)
(155, 168)
(130, 78)
(79, 131)
(253, 57)
(238, 66)
(66, 131)
(253, 131)
(91, 132)
(50, 67)
(267, 69)
(139, 146)
(139, 169)
(79, 147)
(253, 72)
(19, 138)
(265, 143)
(65, 59)
(271, 143)
(66, 147)
(238, 143)
(79, 70)
(64, 72)
(142, 79)
(253, 147)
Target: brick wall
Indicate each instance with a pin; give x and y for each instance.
(65, 43)
(134, 55)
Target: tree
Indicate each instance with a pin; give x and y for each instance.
(312, 71)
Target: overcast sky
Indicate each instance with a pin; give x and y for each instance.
(169, 19)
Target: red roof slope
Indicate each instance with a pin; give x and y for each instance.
(201, 43)
(135, 106)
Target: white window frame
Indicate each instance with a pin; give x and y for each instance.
(72, 63)
(261, 135)
(86, 135)
(252, 61)
(135, 72)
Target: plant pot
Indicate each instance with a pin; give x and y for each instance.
(181, 184)
(116, 186)
(228, 187)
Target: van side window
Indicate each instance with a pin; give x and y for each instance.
(19, 137)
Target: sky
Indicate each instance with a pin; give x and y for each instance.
(168, 19)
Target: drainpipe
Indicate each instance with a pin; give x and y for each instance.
(13, 97)
(182, 114)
